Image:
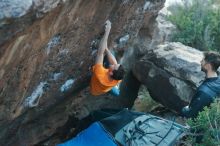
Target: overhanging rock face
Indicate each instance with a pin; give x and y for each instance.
(45, 63)
(171, 72)
(16, 15)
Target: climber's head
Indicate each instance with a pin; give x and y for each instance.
(116, 71)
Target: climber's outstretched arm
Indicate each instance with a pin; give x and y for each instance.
(103, 43)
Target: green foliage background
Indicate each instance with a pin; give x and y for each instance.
(208, 124)
(198, 24)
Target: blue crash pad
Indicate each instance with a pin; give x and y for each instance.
(95, 135)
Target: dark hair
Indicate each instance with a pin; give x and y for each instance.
(119, 73)
(213, 58)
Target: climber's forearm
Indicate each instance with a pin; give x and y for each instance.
(103, 43)
(111, 57)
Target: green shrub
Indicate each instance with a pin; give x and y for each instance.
(198, 24)
(208, 124)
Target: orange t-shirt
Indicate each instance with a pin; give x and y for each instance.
(100, 81)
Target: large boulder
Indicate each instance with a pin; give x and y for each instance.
(171, 72)
(47, 48)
